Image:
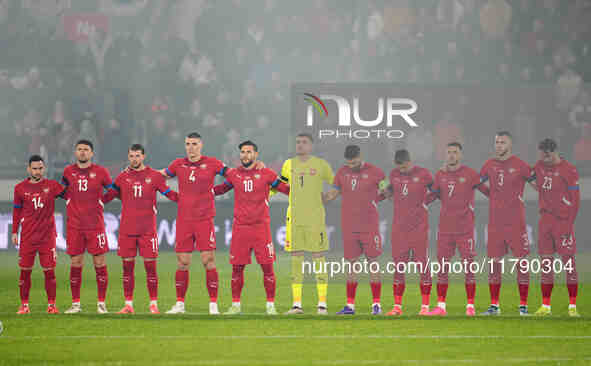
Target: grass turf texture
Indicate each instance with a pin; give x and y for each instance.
(257, 339)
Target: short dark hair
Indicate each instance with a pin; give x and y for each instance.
(456, 144)
(137, 147)
(85, 142)
(505, 133)
(194, 135)
(248, 143)
(34, 158)
(352, 151)
(547, 145)
(401, 156)
(305, 134)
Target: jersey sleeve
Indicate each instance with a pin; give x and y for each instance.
(17, 210)
(220, 168)
(327, 174)
(163, 188)
(114, 191)
(572, 179)
(484, 173)
(172, 169)
(64, 179)
(527, 172)
(434, 190)
(428, 178)
(57, 189)
(107, 181)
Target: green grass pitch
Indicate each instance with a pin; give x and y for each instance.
(256, 339)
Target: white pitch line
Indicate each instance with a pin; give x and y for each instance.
(298, 337)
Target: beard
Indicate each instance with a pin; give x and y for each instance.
(247, 164)
(83, 161)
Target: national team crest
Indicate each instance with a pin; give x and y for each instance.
(511, 170)
(203, 166)
(556, 174)
(92, 175)
(312, 171)
(364, 176)
(462, 180)
(257, 176)
(148, 180)
(46, 190)
(415, 179)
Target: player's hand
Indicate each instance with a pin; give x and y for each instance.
(15, 239)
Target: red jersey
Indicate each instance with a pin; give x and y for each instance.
(251, 193)
(34, 205)
(359, 191)
(558, 189)
(137, 191)
(507, 180)
(84, 192)
(409, 192)
(456, 192)
(196, 179)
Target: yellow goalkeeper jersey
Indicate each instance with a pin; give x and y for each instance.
(306, 180)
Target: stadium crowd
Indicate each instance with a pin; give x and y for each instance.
(148, 71)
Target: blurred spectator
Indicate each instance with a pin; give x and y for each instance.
(495, 18)
(115, 141)
(568, 87)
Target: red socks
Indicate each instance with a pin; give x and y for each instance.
(269, 281)
(495, 290)
(151, 279)
(237, 281)
(470, 292)
(50, 285)
(546, 293)
(181, 279)
(24, 285)
(75, 282)
(398, 293)
(425, 294)
(351, 290)
(376, 291)
(102, 281)
(128, 279)
(441, 292)
(211, 281)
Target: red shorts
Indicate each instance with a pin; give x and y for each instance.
(500, 240)
(93, 241)
(129, 245)
(368, 243)
(555, 236)
(47, 254)
(195, 235)
(404, 242)
(246, 238)
(447, 244)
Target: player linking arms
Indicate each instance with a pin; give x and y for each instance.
(454, 185)
(506, 175)
(306, 224)
(358, 183)
(34, 206)
(84, 183)
(410, 225)
(251, 229)
(136, 187)
(557, 182)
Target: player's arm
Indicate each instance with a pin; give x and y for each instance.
(17, 214)
(169, 172)
(284, 177)
(482, 185)
(112, 193)
(166, 191)
(222, 188)
(433, 191)
(279, 185)
(574, 194)
(334, 192)
(530, 177)
(483, 188)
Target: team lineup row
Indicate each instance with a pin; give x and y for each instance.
(361, 186)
